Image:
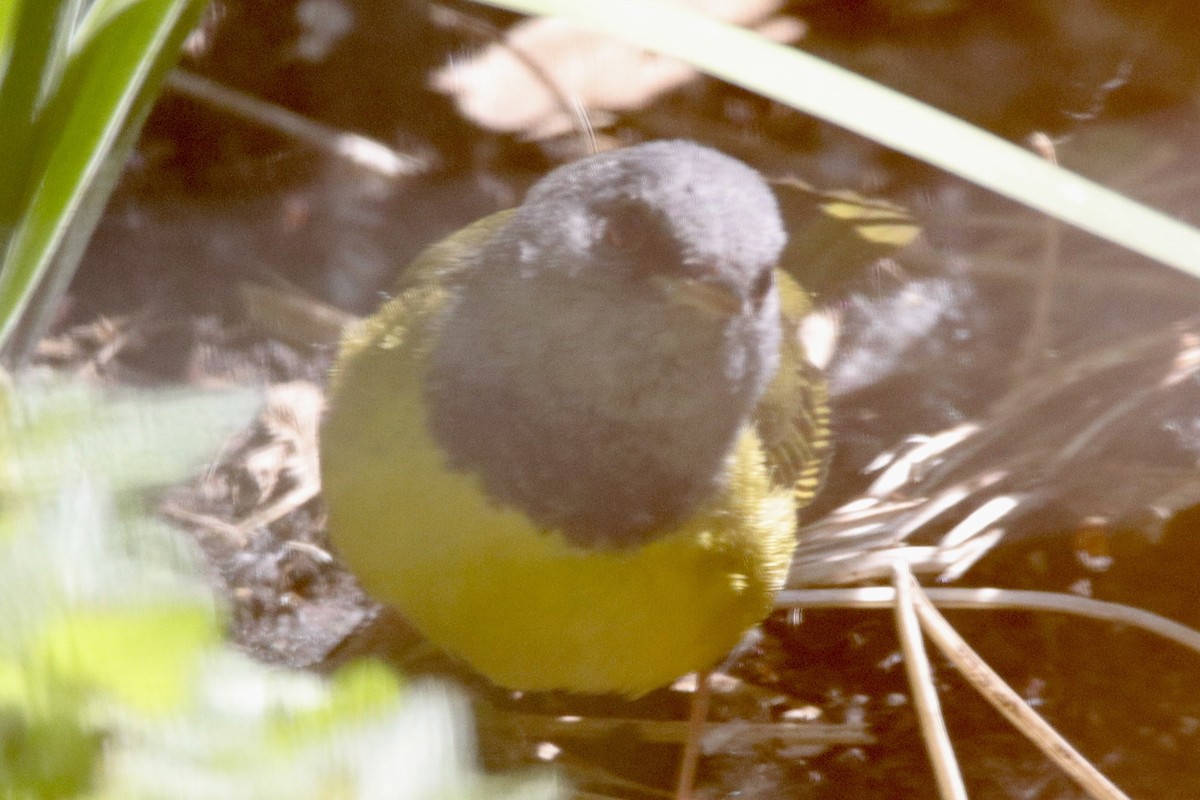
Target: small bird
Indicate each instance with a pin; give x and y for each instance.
(571, 448)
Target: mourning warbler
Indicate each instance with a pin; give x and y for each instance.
(571, 448)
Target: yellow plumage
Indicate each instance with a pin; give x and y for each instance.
(526, 607)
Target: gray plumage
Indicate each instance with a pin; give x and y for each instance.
(563, 373)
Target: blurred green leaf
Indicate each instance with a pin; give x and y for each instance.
(115, 683)
(357, 693)
(49, 432)
(144, 657)
(48, 757)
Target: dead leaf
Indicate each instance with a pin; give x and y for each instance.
(531, 82)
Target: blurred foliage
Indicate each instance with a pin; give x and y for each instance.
(114, 681)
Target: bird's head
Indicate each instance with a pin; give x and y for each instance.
(669, 223)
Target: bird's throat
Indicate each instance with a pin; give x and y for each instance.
(610, 443)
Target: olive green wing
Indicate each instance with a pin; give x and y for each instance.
(442, 263)
(792, 419)
(420, 292)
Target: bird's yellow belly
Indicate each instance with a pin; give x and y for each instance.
(522, 606)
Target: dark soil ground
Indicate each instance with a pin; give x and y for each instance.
(232, 253)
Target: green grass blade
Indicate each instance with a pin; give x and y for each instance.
(9, 9)
(122, 51)
(33, 27)
(67, 19)
(886, 116)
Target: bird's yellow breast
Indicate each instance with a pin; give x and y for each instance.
(523, 606)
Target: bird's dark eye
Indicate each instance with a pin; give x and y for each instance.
(762, 284)
(627, 228)
(637, 236)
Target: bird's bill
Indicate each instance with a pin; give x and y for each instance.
(708, 296)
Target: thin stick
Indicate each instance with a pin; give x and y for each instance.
(1037, 340)
(695, 732)
(357, 148)
(571, 106)
(1008, 702)
(924, 692)
(814, 735)
(993, 599)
